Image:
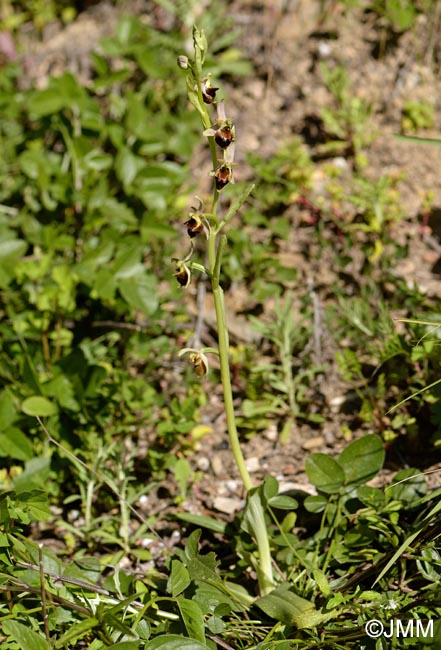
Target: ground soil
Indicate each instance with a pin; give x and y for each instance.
(285, 41)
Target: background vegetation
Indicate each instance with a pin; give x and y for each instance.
(100, 421)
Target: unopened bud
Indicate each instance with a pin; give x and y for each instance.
(183, 61)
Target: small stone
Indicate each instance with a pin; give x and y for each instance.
(217, 465)
(227, 505)
(313, 443)
(271, 433)
(232, 485)
(203, 463)
(253, 464)
(324, 50)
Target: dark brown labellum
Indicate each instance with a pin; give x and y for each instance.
(194, 227)
(209, 94)
(223, 176)
(224, 137)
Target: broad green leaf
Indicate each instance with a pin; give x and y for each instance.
(15, 444)
(8, 411)
(10, 253)
(62, 389)
(193, 618)
(362, 459)
(128, 262)
(316, 503)
(45, 102)
(408, 485)
(140, 292)
(35, 474)
(104, 285)
(175, 642)
(98, 160)
(286, 607)
(325, 473)
(35, 503)
(270, 487)
(179, 579)
(370, 496)
(11, 250)
(24, 636)
(38, 406)
(283, 502)
(127, 165)
(127, 29)
(126, 645)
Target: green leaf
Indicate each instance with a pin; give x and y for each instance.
(44, 102)
(408, 486)
(24, 636)
(38, 406)
(175, 642)
(270, 487)
(315, 504)
(370, 496)
(362, 459)
(140, 292)
(8, 412)
(15, 444)
(77, 631)
(179, 579)
(11, 250)
(283, 502)
(98, 160)
(35, 503)
(322, 582)
(35, 474)
(202, 520)
(192, 617)
(127, 165)
(286, 607)
(325, 473)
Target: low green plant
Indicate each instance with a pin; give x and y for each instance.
(40, 12)
(416, 115)
(399, 15)
(280, 388)
(348, 122)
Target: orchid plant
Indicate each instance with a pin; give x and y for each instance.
(208, 224)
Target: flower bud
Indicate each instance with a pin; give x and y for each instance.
(183, 61)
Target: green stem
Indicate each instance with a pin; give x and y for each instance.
(256, 511)
(214, 262)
